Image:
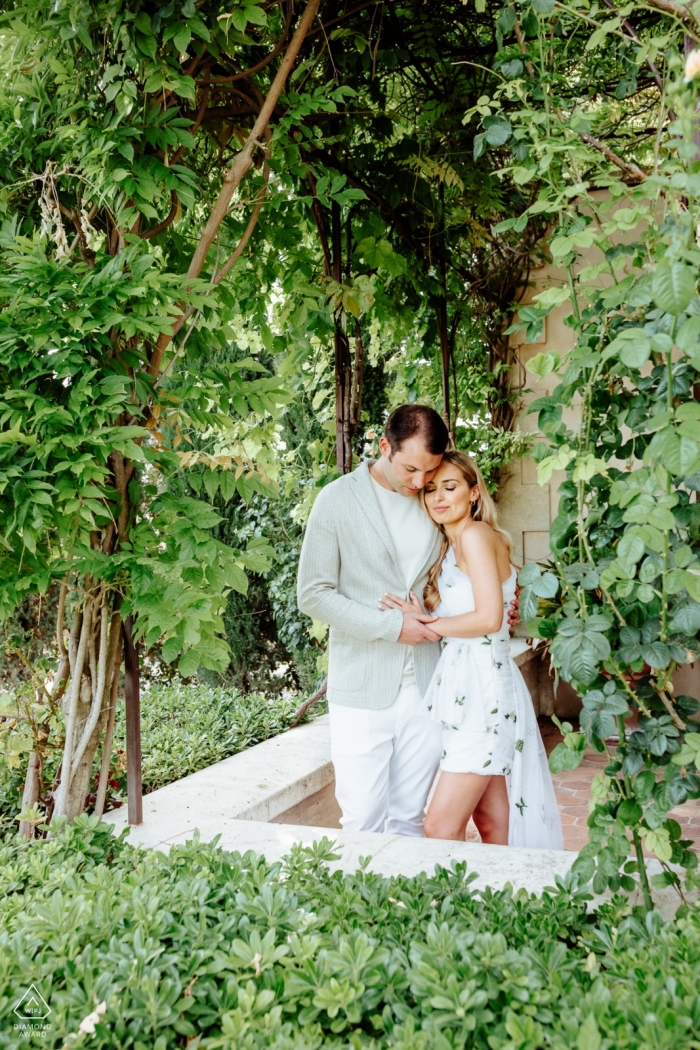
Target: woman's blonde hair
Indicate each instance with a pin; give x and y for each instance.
(483, 509)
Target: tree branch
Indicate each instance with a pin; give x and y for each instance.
(240, 166)
(320, 225)
(633, 173)
(245, 73)
(247, 233)
(679, 11)
(170, 217)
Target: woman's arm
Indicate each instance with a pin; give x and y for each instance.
(478, 544)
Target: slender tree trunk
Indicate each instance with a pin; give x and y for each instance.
(441, 318)
(132, 694)
(92, 654)
(343, 364)
(108, 739)
(444, 337)
(32, 792)
(357, 377)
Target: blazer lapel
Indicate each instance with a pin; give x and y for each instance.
(368, 501)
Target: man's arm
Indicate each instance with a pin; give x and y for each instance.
(318, 593)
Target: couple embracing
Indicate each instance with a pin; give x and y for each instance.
(405, 561)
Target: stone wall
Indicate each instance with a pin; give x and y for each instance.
(527, 509)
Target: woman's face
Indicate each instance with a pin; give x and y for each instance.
(448, 496)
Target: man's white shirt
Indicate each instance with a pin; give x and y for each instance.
(411, 532)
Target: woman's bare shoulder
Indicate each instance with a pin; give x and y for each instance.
(478, 536)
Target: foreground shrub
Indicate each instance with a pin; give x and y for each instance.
(211, 949)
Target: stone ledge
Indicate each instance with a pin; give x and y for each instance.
(257, 784)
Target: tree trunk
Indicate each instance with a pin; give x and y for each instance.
(92, 655)
(343, 364)
(132, 697)
(32, 792)
(445, 358)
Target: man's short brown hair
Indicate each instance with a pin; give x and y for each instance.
(421, 421)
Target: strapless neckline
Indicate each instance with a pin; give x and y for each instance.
(504, 583)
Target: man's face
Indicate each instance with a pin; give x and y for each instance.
(410, 468)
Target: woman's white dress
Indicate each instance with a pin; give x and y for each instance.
(489, 726)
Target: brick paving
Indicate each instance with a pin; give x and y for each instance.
(573, 791)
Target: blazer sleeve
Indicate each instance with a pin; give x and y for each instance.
(318, 593)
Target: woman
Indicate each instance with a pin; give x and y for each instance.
(494, 766)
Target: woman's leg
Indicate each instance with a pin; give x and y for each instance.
(456, 797)
(492, 813)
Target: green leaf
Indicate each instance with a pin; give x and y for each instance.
(563, 757)
(143, 23)
(597, 38)
(189, 663)
(673, 286)
(633, 346)
(546, 586)
(211, 483)
(692, 584)
(688, 334)
(182, 38)
(630, 811)
(498, 131)
(256, 15)
(543, 364)
(679, 454)
(588, 1037)
(635, 352)
(528, 574)
(528, 604)
(630, 548)
(657, 655)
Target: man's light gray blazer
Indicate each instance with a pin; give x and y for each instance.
(347, 562)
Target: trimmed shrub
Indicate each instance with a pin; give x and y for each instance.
(205, 948)
(185, 728)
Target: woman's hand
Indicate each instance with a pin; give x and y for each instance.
(392, 601)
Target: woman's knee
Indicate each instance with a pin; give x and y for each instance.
(492, 826)
(430, 826)
(436, 826)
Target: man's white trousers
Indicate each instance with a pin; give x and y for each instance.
(385, 763)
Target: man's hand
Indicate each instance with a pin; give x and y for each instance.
(514, 611)
(416, 623)
(416, 629)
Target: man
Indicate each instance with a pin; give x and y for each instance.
(368, 534)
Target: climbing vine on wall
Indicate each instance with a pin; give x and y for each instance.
(619, 606)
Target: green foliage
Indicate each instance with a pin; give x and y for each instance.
(620, 605)
(232, 952)
(188, 727)
(106, 179)
(184, 728)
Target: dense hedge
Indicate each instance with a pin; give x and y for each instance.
(213, 949)
(187, 727)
